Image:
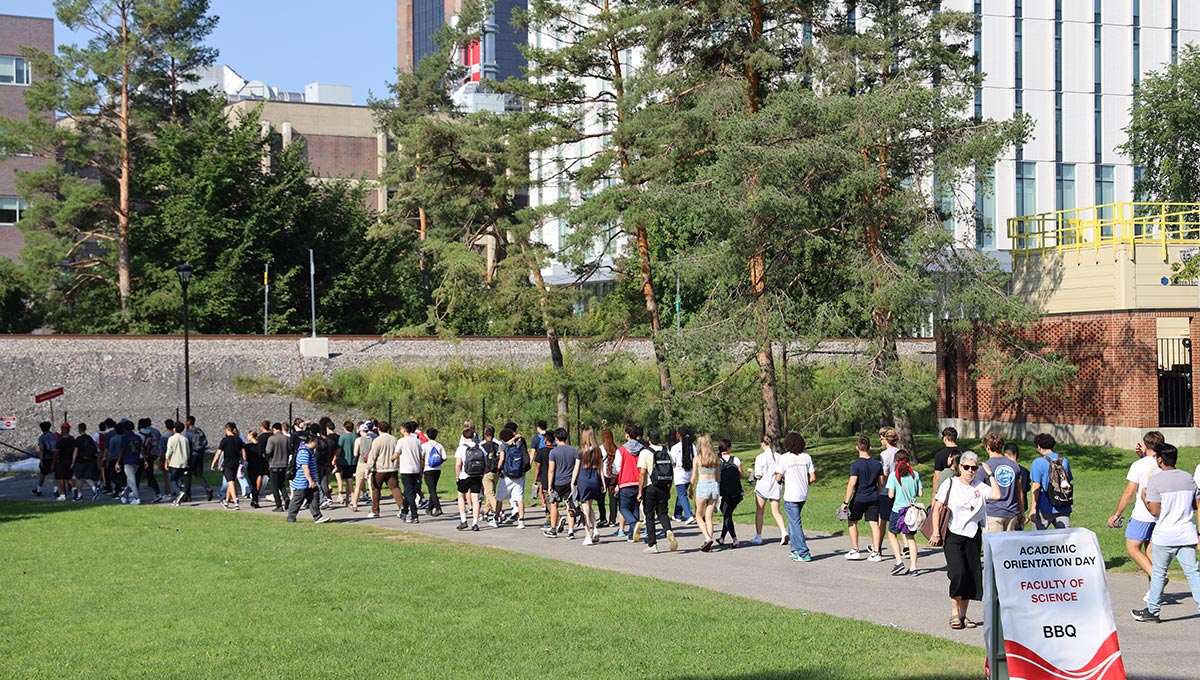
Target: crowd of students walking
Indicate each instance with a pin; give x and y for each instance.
(600, 485)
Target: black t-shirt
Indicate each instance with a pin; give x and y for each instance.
(65, 448)
(542, 458)
(491, 456)
(85, 449)
(942, 459)
(325, 446)
(231, 446)
(255, 453)
(868, 471)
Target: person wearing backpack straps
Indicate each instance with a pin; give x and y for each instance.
(491, 476)
(199, 449)
(152, 446)
(1050, 484)
(624, 466)
(564, 458)
(965, 498)
(514, 463)
(468, 471)
(656, 475)
(682, 453)
(732, 493)
(904, 488)
(435, 456)
(767, 490)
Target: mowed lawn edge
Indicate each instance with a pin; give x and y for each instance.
(165, 593)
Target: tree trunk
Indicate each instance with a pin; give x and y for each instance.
(765, 355)
(422, 234)
(904, 430)
(556, 355)
(124, 278)
(660, 353)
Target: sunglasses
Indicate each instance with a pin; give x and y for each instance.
(969, 467)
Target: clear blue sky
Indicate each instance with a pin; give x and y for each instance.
(289, 43)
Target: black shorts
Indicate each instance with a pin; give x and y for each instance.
(470, 485)
(868, 511)
(230, 474)
(347, 471)
(559, 493)
(46, 466)
(885, 505)
(63, 470)
(87, 469)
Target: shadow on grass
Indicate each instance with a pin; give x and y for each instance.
(17, 511)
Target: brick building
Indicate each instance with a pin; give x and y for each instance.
(1102, 277)
(15, 76)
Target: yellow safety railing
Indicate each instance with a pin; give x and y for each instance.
(1108, 224)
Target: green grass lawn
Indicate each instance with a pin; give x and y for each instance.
(1099, 481)
(102, 591)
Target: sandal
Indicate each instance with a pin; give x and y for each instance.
(956, 623)
(968, 623)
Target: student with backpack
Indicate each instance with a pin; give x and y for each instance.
(1051, 485)
(152, 444)
(178, 458)
(588, 482)
(129, 447)
(682, 453)
(199, 450)
(491, 475)
(514, 463)
(608, 454)
(767, 490)
(657, 475)
(469, 465)
(564, 458)
(730, 484)
(84, 463)
(435, 456)
(625, 468)
(278, 453)
(904, 488)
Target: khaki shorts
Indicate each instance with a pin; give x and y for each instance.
(1004, 524)
(361, 471)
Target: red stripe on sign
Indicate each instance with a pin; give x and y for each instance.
(1024, 664)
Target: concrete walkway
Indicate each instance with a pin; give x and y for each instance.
(829, 584)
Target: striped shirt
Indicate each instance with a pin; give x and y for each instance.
(304, 459)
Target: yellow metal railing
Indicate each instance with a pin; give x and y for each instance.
(1111, 223)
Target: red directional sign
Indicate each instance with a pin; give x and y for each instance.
(47, 396)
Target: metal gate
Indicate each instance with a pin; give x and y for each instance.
(1174, 382)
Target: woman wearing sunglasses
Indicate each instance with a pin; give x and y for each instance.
(964, 497)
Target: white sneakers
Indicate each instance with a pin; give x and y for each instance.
(874, 557)
(372, 515)
(854, 555)
(757, 540)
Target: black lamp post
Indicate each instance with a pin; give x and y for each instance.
(185, 276)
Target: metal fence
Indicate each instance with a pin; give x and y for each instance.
(1174, 382)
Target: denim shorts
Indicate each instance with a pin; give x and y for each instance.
(1138, 530)
(708, 489)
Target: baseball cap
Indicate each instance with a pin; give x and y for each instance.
(365, 427)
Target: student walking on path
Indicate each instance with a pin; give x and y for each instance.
(682, 454)
(1141, 523)
(796, 472)
(304, 484)
(862, 500)
(705, 488)
(904, 488)
(589, 482)
(656, 476)
(230, 454)
(965, 498)
(730, 485)
(1171, 497)
(767, 491)
(1048, 511)
(383, 462)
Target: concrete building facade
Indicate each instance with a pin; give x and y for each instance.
(15, 76)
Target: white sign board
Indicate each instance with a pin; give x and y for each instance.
(8, 423)
(1048, 593)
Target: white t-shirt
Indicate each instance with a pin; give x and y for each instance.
(427, 448)
(1177, 516)
(461, 454)
(766, 464)
(796, 469)
(1140, 472)
(682, 476)
(888, 458)
(1196, 478)
(967, 504)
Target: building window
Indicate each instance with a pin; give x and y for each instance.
(1104, 198)
(1137, 43)
(14, 71)
(1174, 31)
(985, 209)
(1064, 188)
(944, 196)
(11, 208)
(1026, 188)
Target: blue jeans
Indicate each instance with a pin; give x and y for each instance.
(795, 527)
(682, 507)
(627, 498)
(1162, 559)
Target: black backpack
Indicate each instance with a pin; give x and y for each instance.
(730, 480)
(291, 465)
(491, 457)
(474, 461)
(1059, 492)
(662, 472)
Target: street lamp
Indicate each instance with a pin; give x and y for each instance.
(185, 276)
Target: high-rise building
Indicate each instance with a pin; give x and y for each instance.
(16, 74)
(496, 56)
(1072, 65)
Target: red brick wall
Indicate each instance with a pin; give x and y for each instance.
(15, 33)
(1116, 384)
(331, 156)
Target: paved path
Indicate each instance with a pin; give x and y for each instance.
(830, 584)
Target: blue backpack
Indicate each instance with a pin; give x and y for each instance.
(515, 463)
(436, 457)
